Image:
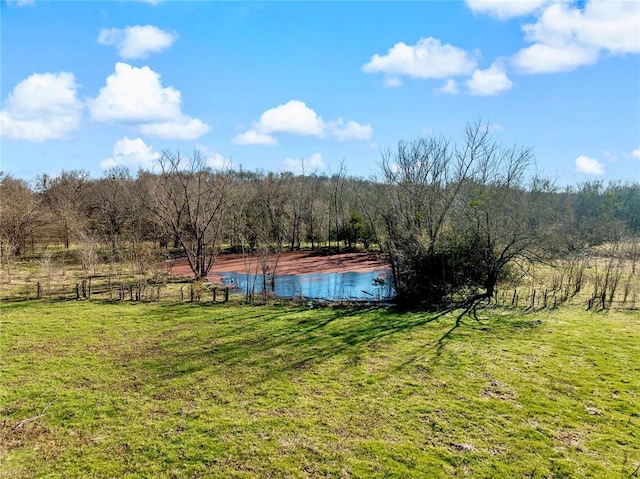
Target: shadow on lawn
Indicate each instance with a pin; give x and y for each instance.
(270, 342)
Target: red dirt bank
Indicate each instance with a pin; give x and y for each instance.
(295, 262)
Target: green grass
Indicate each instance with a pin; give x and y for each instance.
(145, 390)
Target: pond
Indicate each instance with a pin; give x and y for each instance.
(374, 285)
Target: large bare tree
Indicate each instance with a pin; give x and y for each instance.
(421, 182)
(457, 215)
(504, 218)
(191, 200)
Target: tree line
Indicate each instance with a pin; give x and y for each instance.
(451, 218)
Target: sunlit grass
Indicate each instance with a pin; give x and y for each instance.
(93, 389)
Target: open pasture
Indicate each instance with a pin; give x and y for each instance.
(99, 389)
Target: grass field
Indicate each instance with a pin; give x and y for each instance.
(98, 389)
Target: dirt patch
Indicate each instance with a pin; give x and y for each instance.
(497, 390)
(295, 262)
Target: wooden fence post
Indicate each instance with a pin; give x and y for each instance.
(533, 299)
(77, 291)
(226, 294)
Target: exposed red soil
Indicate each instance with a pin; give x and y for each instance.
(295, 262)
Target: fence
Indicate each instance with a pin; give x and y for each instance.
(86, 290)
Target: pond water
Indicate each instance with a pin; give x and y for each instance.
(373, 285)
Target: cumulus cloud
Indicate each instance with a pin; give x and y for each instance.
(636, 154)
(296, 118)
(44, 106)
(504, 9)
(428, 58)
(566, 36)
(589, 166)
(182, 128)
(450, 87)
(541, 58)
(136, 42)
(136, 95)
(488, 82)
(253, 137)
(349, 130)
(298, 166)
(214, 159)
(130, 153)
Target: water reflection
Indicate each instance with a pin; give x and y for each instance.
(329, 286)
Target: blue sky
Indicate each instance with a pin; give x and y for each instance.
(277, 86)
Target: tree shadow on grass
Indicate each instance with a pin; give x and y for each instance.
(271, 342)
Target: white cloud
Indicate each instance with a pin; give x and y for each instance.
(296, 118)
(130, 153)
(298, 166)
(541, 58)
(496, 127)
(636, 154)
(138, 41)
(450, 87)
(565, 36)
(136, 95)
(428, 58)
(214, 159)
(252, 137)
(589, 166)
(487, 82)
(182, 128)
(44, 106)
(349, 130)
(504, 9)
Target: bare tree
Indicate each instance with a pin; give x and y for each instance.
(64, 195)
(336, 204)
(21, 215)
(504, 217)
(112, 207)
(191, 200)
(421, 182)
(457, 216)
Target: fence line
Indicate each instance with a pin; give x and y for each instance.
(86, 290)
